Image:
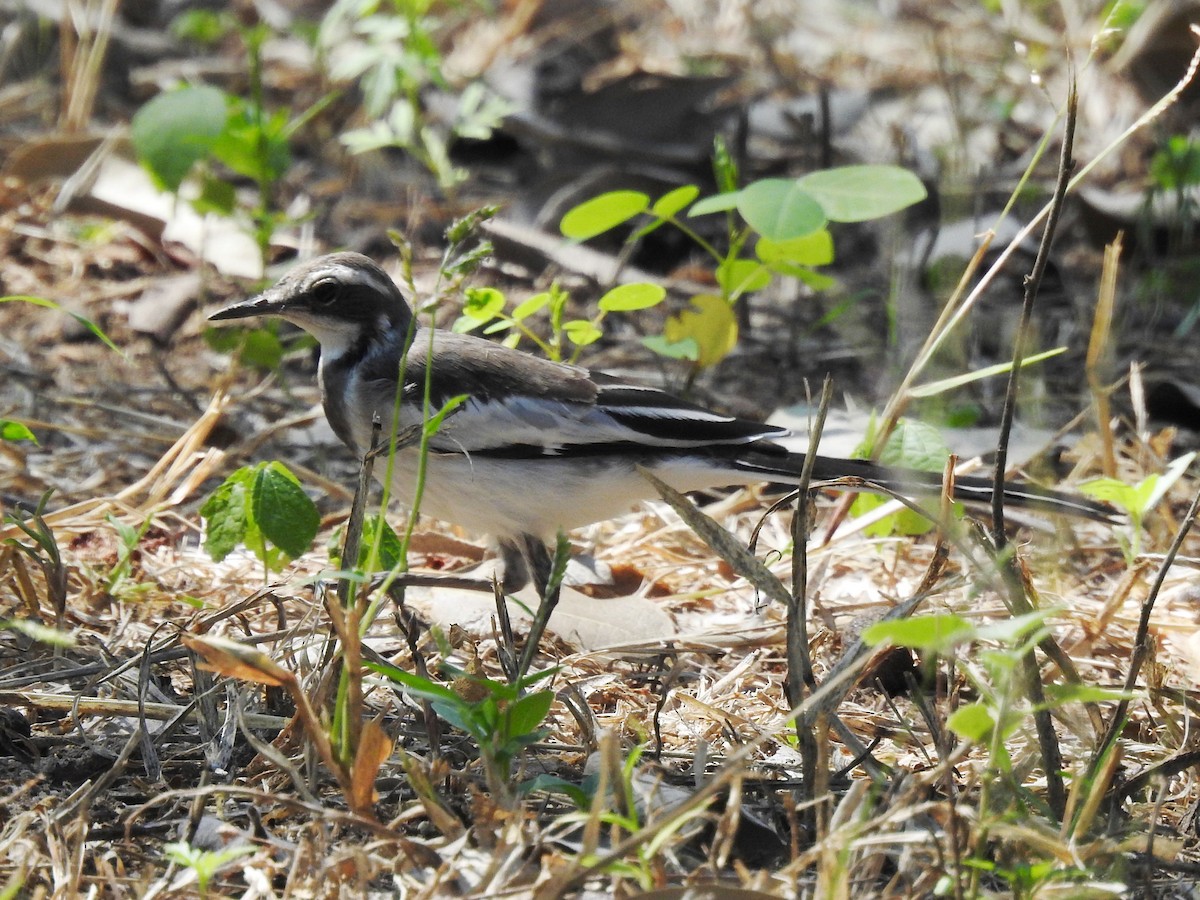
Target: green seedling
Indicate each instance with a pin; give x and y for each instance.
(991, 656)
(263, 507)
(205, 863)
(776, 228)
(502, 718)
(485, 308)
(394, 57)
(1137, 500)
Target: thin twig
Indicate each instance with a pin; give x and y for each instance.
(800, 678)
(1141, 646)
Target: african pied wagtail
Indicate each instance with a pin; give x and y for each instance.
(538, 445)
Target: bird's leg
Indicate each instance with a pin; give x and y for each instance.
(537, 559)
(516, 573)
(539, 565)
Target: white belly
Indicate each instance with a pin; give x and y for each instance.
(508, 497)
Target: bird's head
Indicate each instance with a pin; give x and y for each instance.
(341, 299)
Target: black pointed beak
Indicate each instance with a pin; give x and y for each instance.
(262, 305)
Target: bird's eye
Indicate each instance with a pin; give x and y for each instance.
(323, 293)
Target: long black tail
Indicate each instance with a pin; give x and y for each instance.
(968, 489)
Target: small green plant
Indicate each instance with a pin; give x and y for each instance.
(205, 863)
(991, 657)
(263, 507)
(911, 445)
(378, 539)
(631, 802)
(502, 718)
(1136, 499)
(11, 430)
(776, 228)
(119, 584)
(190, 130)
(1176, 166)
(392, 51)
(485, 308)
(44, 551)
(259, 347)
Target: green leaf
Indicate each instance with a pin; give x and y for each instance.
(390, 548)
(814, 249)
(552, 784)
(201, 26)
(461, 715)
(716, 203)
(224, 513)
(915, 445)
(779, 209)
(82, 320)
(814, 280)
(974, 722)
(434, 423)
(16, 431)
(931, 634)
(582, 332)
(629, 297)
(465, 325)
(687, 348)
(261, 349)
(672, 202)
(175, 130)
(934, 388)
(1014, 629)
(1062, 694)
(860, 193)
(415, 684)
(527, 714)
(284, 514)
(1172, 474)
(534, 304)
(216, 196)
(741, 276)
(483, 303)
(710, 324)
(904, 521)
(496, 327)
(600, 214)
(252, 148)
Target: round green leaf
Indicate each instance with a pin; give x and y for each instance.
(973, 721)
(175, 130)
(859, 193)
(779, 209)
(628, 297)
(600, 214)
